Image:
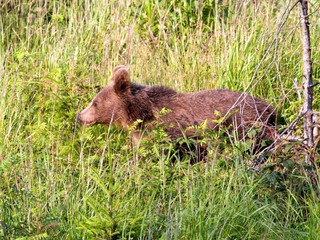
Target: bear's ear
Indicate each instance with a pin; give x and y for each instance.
(121, 80)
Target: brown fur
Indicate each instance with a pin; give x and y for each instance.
(123, 102)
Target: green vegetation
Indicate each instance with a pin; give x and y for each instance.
(59, 180)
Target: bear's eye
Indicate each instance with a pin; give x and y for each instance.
(95, 103)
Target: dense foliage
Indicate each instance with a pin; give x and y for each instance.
(59, 180)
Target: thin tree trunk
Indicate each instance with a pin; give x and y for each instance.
(307, 77)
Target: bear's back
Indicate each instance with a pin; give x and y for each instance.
(216, 106)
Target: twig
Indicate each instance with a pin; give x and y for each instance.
(274, 41)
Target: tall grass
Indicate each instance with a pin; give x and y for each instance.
(61, 181)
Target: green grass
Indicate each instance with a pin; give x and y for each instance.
(59, 180)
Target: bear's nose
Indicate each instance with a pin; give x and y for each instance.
(78, 118)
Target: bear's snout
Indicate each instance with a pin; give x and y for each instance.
(81, 120)
(87, 117)
(78, 118)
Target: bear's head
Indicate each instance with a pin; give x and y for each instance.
(108, 105)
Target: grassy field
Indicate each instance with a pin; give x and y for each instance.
(59, 180)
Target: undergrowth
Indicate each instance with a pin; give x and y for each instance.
(59, 180)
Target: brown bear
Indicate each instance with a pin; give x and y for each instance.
(123, 103)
